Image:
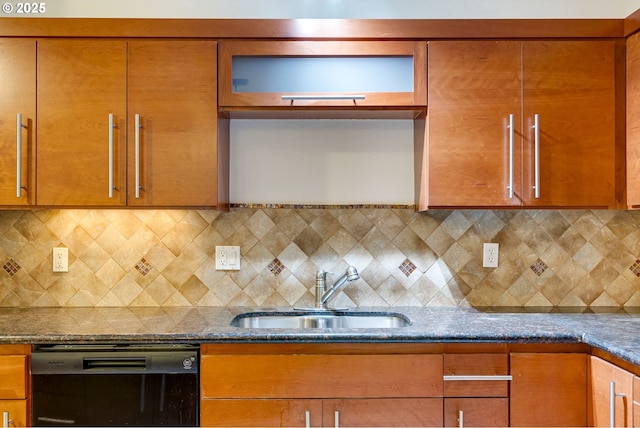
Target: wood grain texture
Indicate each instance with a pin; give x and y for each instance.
(321, 29)
(13, 377)
(81, 82)
(571, 86)
(633, 121)
(477, 412)
(548, 390)
(172, 86)
(320, 376)
(18, 94)
(478, 365)
(636, 401)
(260, 413)
(602, 373)
(18, 412)
(383, 412)
(474, 87)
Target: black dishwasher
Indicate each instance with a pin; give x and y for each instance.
(115, 385)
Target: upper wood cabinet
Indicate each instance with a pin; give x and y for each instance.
(515, 123)
(80, 84)
(633, 121)
(129, 123)
(320, 74)
(173, 153)
(17, 122)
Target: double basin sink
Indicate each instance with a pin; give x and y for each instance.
(330, 320)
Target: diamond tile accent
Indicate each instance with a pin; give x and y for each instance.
(635, 268)
(144, 267)
(11, 267)
(539, 267)
(407, 267)
(276, 267)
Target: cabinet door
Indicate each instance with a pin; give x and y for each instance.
(604, 376)
(633, 121)
(173, 154)
(261, 413)
(17, 410)
(570, 86)
(476, 412)
(636, 401)
(474, 91)
(322, 73)
(383, 412)
(548, 389)
(81, 83)
(13, 369)
(18, 94)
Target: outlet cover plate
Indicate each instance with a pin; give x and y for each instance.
(490, 252)
(227, 257)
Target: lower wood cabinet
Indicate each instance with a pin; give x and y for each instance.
(636, 401)
(476, 390)
(607, 379)
(548, 389)
(281, 386)
(14, 384)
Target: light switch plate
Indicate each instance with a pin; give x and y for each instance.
(227, 257)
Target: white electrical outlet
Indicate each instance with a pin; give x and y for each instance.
(61, 259)
(490, 255)
(227, 257)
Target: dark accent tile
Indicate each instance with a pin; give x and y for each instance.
(407, 267)
(143, 266)
(539, 267)
(276, 267)
(11, 267)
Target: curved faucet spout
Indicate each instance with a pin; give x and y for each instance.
(324, 295)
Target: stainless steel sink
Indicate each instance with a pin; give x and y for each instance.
(294, 320)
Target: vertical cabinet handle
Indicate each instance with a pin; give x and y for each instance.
(461, 419)
(111, 126)
(19, 127)
(511, 133)
(536, 127)
(5, 420)
(612, 403)
(336, 419)
(307, 419)
(137, 156)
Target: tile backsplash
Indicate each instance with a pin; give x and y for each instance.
(579, 258)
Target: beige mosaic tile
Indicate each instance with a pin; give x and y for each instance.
(579, 257)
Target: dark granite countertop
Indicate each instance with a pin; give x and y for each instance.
(614, 331)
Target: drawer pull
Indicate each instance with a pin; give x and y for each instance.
(307, 419)
(322, 97)
(449, 378)
(461, 419)
(5, 420)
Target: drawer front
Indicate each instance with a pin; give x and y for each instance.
(383, 412)
(459, 368)
(260, 413)
(13, 376)
(320, 376)
(476, 412)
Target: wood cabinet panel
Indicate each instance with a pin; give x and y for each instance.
(18, 94)
(571, 86)
(636, 401)
(383, 412)
(321, 376)
(13, 376)
(172, 86)
(256, 413)
(602, 374)
(633, 120)
(476, 365)
(548, 389)
(474, 87)
(81, 82)
(18, 412)
(476, 412)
